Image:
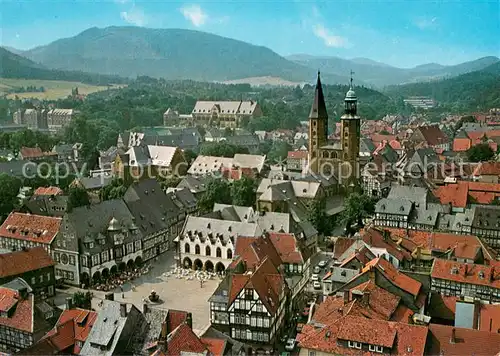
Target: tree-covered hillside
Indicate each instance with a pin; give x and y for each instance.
(15, 66)
(473, 91)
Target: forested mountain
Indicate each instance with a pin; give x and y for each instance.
(471, 91)
(170, 54)
(15, 66)
(380, 74)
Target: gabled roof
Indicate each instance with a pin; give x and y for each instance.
(265, 280)
(375, 238)
(287, 247)
(183, 340)
(466, 273)
(20, 262)
(48, 191)
(23, 315)
(432, 135)
(449, 340)
(36, 228)
(254, 250)
(396, 277)
(487, 168)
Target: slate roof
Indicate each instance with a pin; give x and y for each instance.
(415, 195)
(108, 328)
(194, 184)
(393, 206)
(47, 205)
(15, 168)
(92, 183)
(19, 262)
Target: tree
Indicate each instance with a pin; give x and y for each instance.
(115, 190)
(9, 189)
(242, 191)
(356, 207)
(170, 182)
(221, 149)
(279, 151)
(318, 218)
(82, 300)
(217, 191)
(189, 156)
(77, 196)
(479, 153)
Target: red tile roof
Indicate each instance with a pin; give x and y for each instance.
(442, 307)
(489, 318)
(433, 135)
(48, 191)
(19, 262)
(36, 228)
(364, 255)
(22, 318)
(375, 238)
(265, 280)
(461, 144)
(378, 138)
(466, 341)
(402, 314)
(215, 346)
(34, 152)
(467, 273)
(184, 340)
(253, 251)
(341, 245)
(398, 278)
(73, 325)
(379, 304)
(454, 194)
(176, 318)
(287, 248)
(297, 154)
(403, 339)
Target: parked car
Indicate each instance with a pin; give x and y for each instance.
(322, 264)
(290, 344)
(316, 285)
(316, 270)
(314, 277)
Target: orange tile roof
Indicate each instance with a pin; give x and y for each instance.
(22, 318)
(265, 280)
(183, 340)
(253, 250)
(176, 318)
(19, 262)
(341, 245)
(489, 318)
(378, 138)
(215, 346)
(461, 144)
(380, 303)
(48, 191)
(467, 341)
(432, 135)
(29, 227)
(297, 154)
(375, 237)
(73, 325)
(454, 194)
(402, 314)
(35, 152)
(399, 279)
(287, 248)
(467, 273)
(404, 339)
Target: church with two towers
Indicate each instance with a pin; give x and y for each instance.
(335, 157)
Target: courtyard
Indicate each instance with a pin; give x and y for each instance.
(177, 289)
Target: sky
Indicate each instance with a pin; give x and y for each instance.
(402, 33)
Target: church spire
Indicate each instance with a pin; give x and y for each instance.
(318, 109)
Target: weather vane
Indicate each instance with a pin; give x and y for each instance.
(351, 77)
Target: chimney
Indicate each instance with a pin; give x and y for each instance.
(69, 303)
(163, 335)
(144, 308)
(346, 296)
(366, 298)
(372, 273)
(452, 337)
(123, 310)
(189, 320)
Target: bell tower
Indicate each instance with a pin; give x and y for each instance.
(350, 137)
(318, 126)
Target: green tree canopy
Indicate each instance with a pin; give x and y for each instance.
(318, 218)
(217, 191)
(77, 196)
(221, 149)
(242, 191)
(82, 300)
(358, 206)
(479, 153)
(115, 190)
(9, 189)
(279, 151)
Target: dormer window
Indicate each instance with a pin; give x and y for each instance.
(354, 345)
(376, 348)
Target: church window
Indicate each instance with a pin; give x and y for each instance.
(334, 155)
(345, 155)
(325, 154)
(314, 123)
